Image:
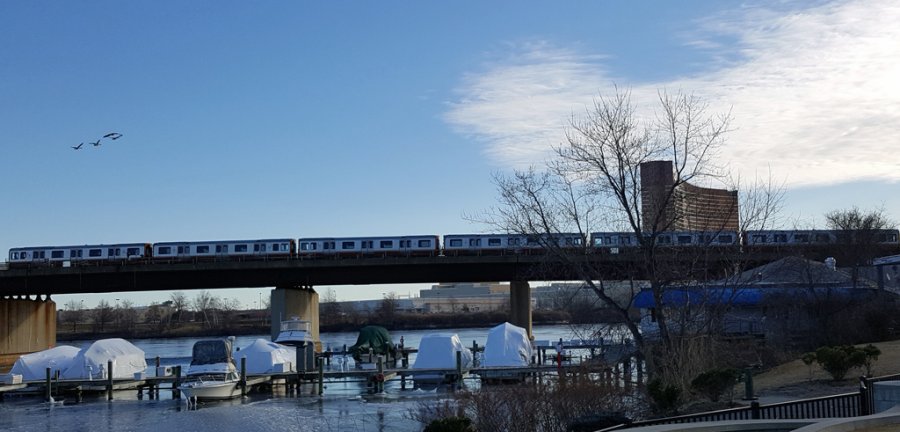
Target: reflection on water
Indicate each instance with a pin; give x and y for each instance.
(346, 405)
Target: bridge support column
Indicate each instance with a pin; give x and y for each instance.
(26, 326)
(520, 305)
(296, 301)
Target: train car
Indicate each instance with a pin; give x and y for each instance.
(419, 245)
(497, 244)
(73, 255)
(621, 242)
(614, 242)
(764, 239)
(265, 248)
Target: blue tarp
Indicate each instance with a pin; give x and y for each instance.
(735, 296)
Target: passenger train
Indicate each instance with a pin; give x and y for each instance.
(426, 245)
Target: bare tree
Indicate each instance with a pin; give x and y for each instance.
(594, 183)
(207, 305)
(859, 238)
(127, 314)
(103, 314)
(73, 314)
(329, 308)
(179, 303)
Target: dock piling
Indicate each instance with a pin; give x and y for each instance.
(321, 377)
(244, 376)
(47, 396)
(109, 380)
(176, 392)
(458, 380)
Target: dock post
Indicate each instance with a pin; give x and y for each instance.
(379, 379)
(47, 395)
(109, 380)
(458, 380)
(321, 377)
(56, 376)
(402, 381)
(244, 376)
(176, 392)
(405, 361)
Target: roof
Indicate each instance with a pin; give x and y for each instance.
(793, 270)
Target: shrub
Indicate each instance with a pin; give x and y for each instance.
(664, 396)
(871, 352)
(450, 424)
(838, 360)
(808, 359)
(713, 383)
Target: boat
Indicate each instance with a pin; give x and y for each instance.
(296, 333)
(507, 350)
(212, 374)
(372, 342)
(436, 360)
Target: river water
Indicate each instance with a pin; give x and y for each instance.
(346, 405)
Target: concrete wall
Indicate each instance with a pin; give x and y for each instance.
(296, 302)
(26, 326)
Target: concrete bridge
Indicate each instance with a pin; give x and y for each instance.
(28, 314)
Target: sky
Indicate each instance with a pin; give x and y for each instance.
(249, 120)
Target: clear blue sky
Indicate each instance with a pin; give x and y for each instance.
(294, 119)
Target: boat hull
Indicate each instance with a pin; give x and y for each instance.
(211, 390)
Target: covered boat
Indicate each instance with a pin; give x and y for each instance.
(264, 357)
(212, 374)
(92, 361)
(438, 351)
(507, 346)
(34, 366)
(373, 341)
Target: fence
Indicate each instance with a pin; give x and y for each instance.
(843, 405)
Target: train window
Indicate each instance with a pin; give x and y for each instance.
(307, 246)
(222, 249)
(367, 244)
(625, 240)
(164, 250)
(348, 245)
(758, 238)
(424, 243)
(664, 240)
(75, 253)
(15, 255)
(275, 247)
(533, 241)
(474, 242)
(110, 252)
(242, 248)
(822, 238)
(801, 238)
(204, 249)
(133, 251)
(405, 244)
(387, 244)
(495, 242)
(455, 242)
(684, 239)
(513, 241)
(56, 254)
(95, 252)
(780, 238)
(725, 239)
(40, 254)
(328, 245)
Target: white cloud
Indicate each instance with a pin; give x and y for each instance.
(815, 93)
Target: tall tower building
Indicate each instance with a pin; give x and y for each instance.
(689, 208)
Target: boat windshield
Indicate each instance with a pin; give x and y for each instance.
(295, 325)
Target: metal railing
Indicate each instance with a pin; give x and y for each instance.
(842, 405)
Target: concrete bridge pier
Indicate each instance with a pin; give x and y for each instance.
(296, 301)
(26, 326)
(520, 305)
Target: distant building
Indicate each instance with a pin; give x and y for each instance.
(691, 208)
(465, 297)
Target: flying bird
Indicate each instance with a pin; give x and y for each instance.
(113, 136)
(95, 143)
(78, 147)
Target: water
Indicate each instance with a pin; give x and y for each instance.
(345, 406)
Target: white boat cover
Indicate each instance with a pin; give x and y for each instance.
(34, 366)
(438, 351)
(91, 361)
(507, 345)
(263, 356)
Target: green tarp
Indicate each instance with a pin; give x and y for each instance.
(374, 337)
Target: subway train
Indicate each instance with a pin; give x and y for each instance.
(427, 245)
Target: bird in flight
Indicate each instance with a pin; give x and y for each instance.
(95, 143)
(113, 136)
(78, 147)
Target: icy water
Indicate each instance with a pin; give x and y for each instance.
(346, 406)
